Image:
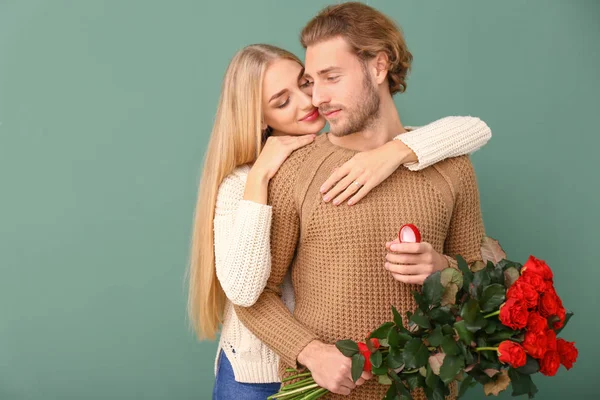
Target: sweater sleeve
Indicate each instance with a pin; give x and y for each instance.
(269, 319)
(445, 138)
(466, 229)
(241, 238)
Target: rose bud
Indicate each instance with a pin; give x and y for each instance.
(538, 267)
(511, 353)
(514, 314)
(364, 350)
(567, 352)
(550, 363)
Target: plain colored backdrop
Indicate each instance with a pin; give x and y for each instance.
(106, 107)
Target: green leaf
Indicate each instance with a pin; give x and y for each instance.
(567, 318)
(471, 314)
(433, 289)
(431, 379)
(521, 383)
(442, 315)
(358, 364)
(421, 319)
(415, 353)
(449, 346)
(531, 366)
(469, 358)
(436, 336)
(347, 347)
(500, 336)
(415, 381)
(420, 300)
(383, 370)
(465, 335)
(492, 296)
(392, 393)
(480, 280)
(437, 393)
(393, 337)
(376, 359)
(452, 281)
(465, 385)
(480, 376)
(395, 358)
(451, 367)
(511, 274)
(384, 380)
(466, 271)
(491, 326)
(382, 331)
(397, 317)
(497, 275)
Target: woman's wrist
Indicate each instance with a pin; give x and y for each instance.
(402, 153)
(257, 185)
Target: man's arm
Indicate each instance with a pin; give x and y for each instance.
(269, 319)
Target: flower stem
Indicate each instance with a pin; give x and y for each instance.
(414, 371)
(292, 393)
(290, 378)
(486, 348)
(492, 314)
(303, 382)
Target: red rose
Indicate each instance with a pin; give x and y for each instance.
(514, 314)
(550, 363)
(525, 292)
(538, 267)
(568, 353)
(535, 344)
(375, 343)
(536, 323)
(511, 353)
(364, 350)
(549, 303)
(562, 315)
(551, 340)
(534, 280)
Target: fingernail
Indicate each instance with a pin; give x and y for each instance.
(394, 247)
(326, 198)
(350, 202)
(336, 202)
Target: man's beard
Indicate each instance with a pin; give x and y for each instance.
(362, 114)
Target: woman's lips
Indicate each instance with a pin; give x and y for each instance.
(311, 116)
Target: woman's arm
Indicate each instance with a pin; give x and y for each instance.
(417, 149)
(242, 248)
(445, 138)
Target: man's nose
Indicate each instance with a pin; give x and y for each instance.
(319, 96)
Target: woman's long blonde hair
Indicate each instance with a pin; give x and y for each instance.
(236, 139)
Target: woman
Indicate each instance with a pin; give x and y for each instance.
(264, 114)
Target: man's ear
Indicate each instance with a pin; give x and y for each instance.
(380, 64)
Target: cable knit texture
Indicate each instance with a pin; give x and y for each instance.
(242, 247)
(336, 254)
(445, 138)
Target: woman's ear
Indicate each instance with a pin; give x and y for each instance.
(263, 126)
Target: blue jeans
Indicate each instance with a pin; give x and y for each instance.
(226, 387)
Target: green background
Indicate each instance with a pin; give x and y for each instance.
(105, 112)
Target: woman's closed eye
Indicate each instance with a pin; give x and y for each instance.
(285, 103)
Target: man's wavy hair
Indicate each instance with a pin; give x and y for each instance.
(368, 32)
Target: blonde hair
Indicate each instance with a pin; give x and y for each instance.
(367, 31)
(236, 139)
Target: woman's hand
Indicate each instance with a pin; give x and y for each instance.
(275, 151)
(359, 175)
(413, 262)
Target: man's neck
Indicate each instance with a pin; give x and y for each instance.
(382, 130)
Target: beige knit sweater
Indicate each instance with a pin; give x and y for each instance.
(337, 254)
(242, 230)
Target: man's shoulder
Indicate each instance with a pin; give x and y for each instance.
(292, 167)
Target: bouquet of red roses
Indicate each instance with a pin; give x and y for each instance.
(494, 323)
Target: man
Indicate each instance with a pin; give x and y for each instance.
(346, 273)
